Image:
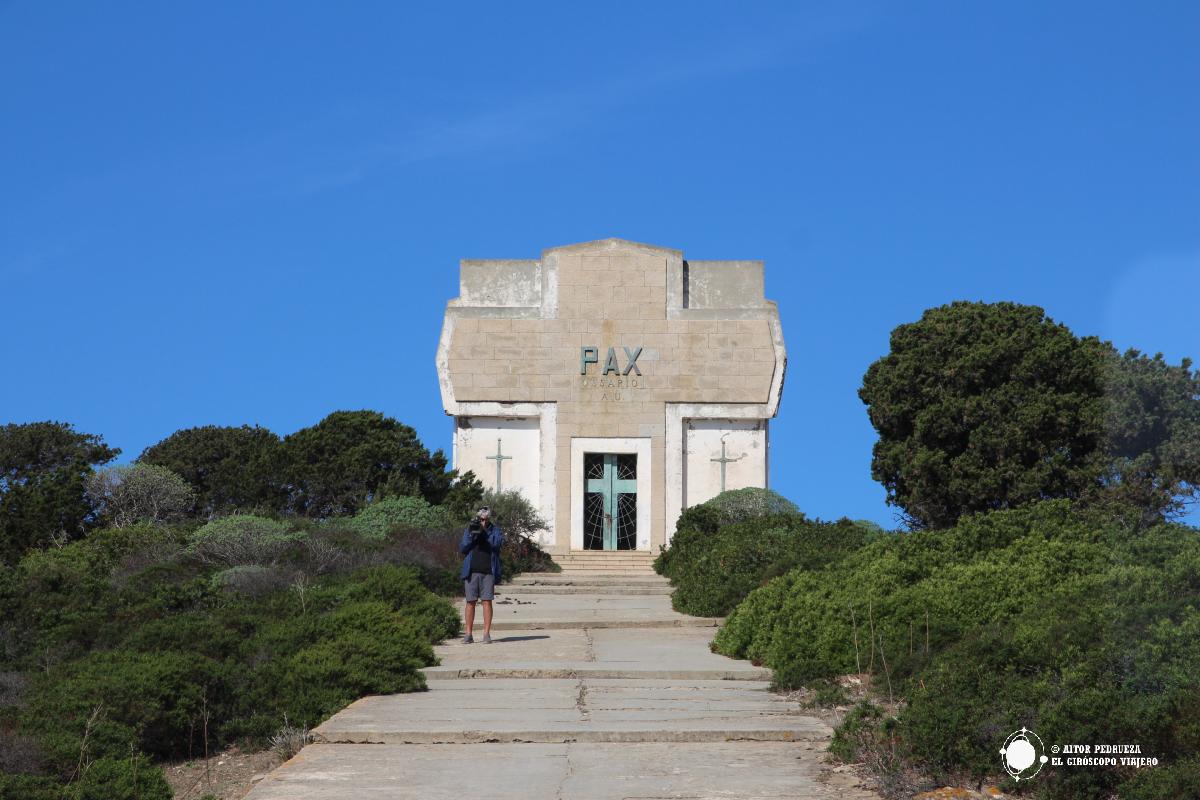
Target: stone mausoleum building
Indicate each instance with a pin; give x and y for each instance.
(613, 383)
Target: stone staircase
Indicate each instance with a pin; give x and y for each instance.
(594, 688)
(611, 562)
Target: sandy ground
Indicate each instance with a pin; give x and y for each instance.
(228, 775)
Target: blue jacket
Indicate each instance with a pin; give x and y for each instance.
(495, 539)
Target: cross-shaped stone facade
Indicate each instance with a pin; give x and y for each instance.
(562, 330)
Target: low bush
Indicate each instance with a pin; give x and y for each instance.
(243, 539)
(1177, 780)
(727, 547)
(739, 505)
(19, 754)
(252, 580)
(368, 649)
(401, 589)
(333, 548)
(1076, 624)
(369, 633)
(30, 787)
(713, 573)
(409, 530)
(700, 521)
(122, 697)
(112, 664)
(390, 514)
(111, 778)
(521, 524)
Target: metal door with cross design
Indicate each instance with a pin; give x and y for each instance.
(610, 501)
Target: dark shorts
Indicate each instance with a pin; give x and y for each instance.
(480, 586)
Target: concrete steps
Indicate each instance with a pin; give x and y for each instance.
(586, 583)
(593, 688)
(577, 670)
(568, 771)
(630, 562)
(600, 622)
(626, 710)
(606, 606)
(637, 556)
(568, 588)
(588, 579)
(619, 572)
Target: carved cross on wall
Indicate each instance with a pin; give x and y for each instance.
(500, 458)
(724, 460)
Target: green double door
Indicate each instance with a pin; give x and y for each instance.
(610, 501)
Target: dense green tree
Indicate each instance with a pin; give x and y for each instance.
(1152, 432)
(350, 458)
(988, 406)
(983, 406)
(230, 469)
(43, 466)
(464, 497)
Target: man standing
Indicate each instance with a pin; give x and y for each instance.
(481, 543)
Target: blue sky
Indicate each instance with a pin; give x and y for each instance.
(228, 213)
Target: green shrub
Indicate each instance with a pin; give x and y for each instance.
(366, 633)
(513, 513)
(368, 649)
(384, 516)
(122, 779)
(243, 539)
(216, 634)
(1077, 625)
(806, 623)
(713, 573)
(739, 505)
(153, 700)
(521, 524)
(1165, 782)
(251, 580)
(401, 589)
(694, 527)
(698, 522)
(65, 602)
(132, 493)
(131, 657)
(726, 547)
(29, 787)
(861, 723)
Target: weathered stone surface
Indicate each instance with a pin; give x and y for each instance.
(515, 610)
(577, 771)
(667, 340)
(591, 710)
(585, 579)
(579, 713)
(655, 653)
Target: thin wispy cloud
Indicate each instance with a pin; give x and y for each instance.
(516, 123)
(355, 141)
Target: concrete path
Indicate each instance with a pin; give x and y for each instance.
(653, 653)
(597, 692)
(518, 610)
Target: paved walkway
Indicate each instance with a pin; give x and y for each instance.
(594, 689)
